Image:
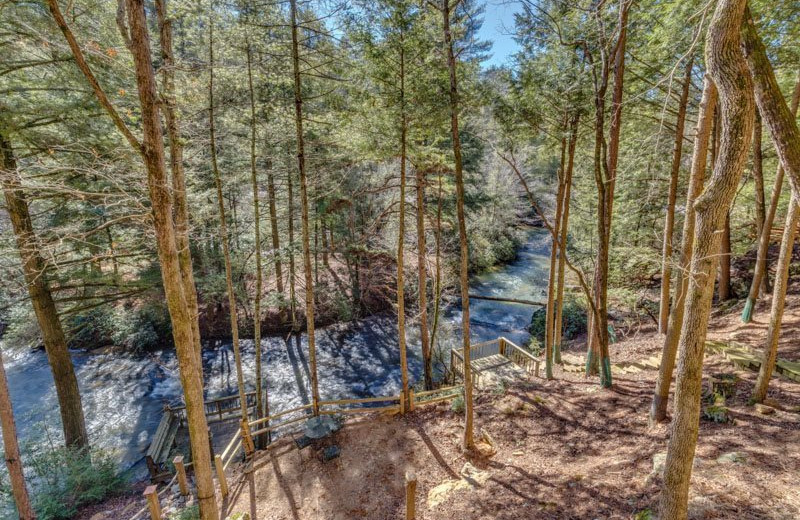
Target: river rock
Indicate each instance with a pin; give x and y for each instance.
(764, 409)
(731, 457)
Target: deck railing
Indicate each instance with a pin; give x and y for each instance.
(503, 346)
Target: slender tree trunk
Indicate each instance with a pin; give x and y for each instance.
(562, 245)
(292, 279)
(301, 166)
(19, 488)
(276, 240)
(423, 281)
(223, 226)
(728, 69)
(153, 155)
(262, 396)
(724, 287)
(758, 187)
(34, 268)
(181, 209)
(437, 275)
(469, 441)
(708, 102)
(549, 334)
(401, 230)
(786, 138)
(669, 221)
(760, 271)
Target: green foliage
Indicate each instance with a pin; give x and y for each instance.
(134, 327)
(645, 514)
(187, 513)
(67, 479)
(573, 320)
(457, 404)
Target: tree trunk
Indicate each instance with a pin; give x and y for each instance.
(292, 279)
(786, 138)
(469, 441)
(401, 231)
(181, 209)
(422, 282)
(34, 268)
(728, 69)
(758, 187)
(562, 244)
(19, 488)
(437, 280)
(549, 320)
(724, 288)
(276, 240)
(669, 221)
(223, 226)
(301, 166)
(708, 101)
(760, 272)
(262, 396)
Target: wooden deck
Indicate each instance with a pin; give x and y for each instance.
(495, 363)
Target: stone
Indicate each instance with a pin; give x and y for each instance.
(659, 461)
(471, 479)
(732, 457)
(99, 516)
(764, 409)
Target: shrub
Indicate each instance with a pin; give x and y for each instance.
(66, 479)
(457, 405)
(573, 320)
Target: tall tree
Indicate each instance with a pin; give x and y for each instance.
(669, 221)
(728, 70)
(223, 225)
(19, 489)
(34, 268)
(301, 167)
(786, 137)
(151, 149)
(708, 102)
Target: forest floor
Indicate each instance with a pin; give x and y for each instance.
(563, 448)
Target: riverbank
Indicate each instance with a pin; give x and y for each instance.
(564, 448)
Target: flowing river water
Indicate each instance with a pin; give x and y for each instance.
(123, 394)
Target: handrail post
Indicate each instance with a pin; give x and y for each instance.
(411, 400)
(151, 495)
(223, 482)
(180, 469)
(247, 439)
(411, 491)
(501, 342)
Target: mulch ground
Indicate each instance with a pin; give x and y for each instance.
(563, 449)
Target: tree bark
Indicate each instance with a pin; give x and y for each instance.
(562, 244)
(728, 69)
(301, 166)
(19, 488)
(181, 209)
(223, 226)
(34, 268)
(758, 187)
(401, 231)
(669, 221)
(550, 321)
(422, 282)
(262, 396)
(786, 138)
(708, 101)
(152, 151)
(469, 441)
(760, 272)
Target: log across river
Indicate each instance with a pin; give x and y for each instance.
(123, 394)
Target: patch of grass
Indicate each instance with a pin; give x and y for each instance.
(645, 514)
(187, 513)
(67, 479)
(457, 405)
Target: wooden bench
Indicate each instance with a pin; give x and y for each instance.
(160, 447)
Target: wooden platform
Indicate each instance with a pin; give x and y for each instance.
(496, 370)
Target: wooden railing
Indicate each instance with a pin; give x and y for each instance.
(434, 396)
(503, 346)
(519, 355)
(221, 408)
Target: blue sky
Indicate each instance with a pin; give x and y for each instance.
(498, 22)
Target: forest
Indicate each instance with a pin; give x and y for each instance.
(330, 259)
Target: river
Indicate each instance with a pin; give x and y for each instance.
(123, 394)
